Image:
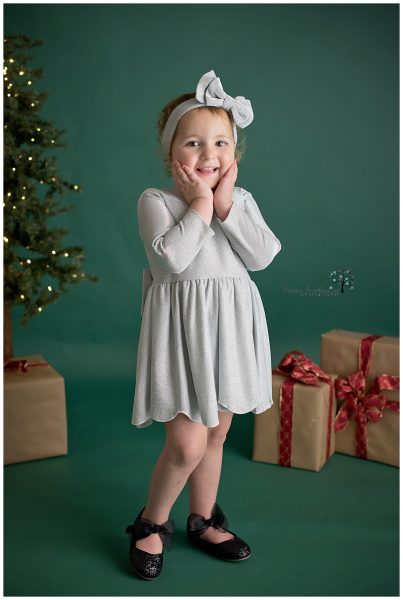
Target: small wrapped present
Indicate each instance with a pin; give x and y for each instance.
(297, 430)
(367, 393)
(35, 421)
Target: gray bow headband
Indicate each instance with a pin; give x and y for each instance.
(209, 92)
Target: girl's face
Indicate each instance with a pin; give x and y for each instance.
(204, 140)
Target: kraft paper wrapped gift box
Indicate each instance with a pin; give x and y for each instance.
(301, 434)
(345, 352)
(35, 420)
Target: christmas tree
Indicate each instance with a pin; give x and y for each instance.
(38, 267)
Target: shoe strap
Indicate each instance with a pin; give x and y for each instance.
(143, 527)
(217, 519)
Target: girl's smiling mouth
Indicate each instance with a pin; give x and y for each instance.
(207, 170)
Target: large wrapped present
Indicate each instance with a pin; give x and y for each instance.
(35, 421)
(367, 393)
(297, 430)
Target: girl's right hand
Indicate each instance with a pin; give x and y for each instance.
(191, 185)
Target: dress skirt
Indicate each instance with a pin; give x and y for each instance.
(203, 348)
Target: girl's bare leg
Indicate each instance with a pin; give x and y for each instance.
(185, 445)
(204, 480)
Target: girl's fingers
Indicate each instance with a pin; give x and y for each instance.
(179, 168)
(184, 170)
(191, 174)
(182, 173)
(188, 172)
(230, 171)
(233, 166)
(175, 174)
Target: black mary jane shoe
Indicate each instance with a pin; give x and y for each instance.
(145, 564)
(233, 550)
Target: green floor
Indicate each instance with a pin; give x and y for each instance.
(332, 533)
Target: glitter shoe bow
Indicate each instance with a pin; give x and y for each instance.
(218, 519)
(143, 527)
(209, 91)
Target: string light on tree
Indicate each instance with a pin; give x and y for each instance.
(33, 251)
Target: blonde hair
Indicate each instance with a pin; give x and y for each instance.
(163, 118)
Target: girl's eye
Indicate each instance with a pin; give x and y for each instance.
(196, 142)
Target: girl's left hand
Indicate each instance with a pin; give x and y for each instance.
(223, 192)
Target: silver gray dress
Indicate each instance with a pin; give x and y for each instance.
(204, 343)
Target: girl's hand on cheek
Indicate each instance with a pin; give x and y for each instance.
(224, 190)
(191, 185)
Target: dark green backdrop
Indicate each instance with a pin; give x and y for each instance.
(322, 158)
(322, 162)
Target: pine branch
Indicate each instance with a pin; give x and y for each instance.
(38, 266)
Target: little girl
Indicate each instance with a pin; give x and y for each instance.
(204, 351)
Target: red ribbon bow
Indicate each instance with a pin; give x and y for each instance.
(362, 406)
(21, 365)
(298, 368)
(301, 368)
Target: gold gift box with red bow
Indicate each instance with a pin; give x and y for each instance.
(367, 393)
(35, 421)
(297, 430)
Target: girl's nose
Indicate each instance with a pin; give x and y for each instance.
(208, 151)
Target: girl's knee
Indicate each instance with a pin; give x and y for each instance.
(186, 441)
(216, 437)
(186, 454)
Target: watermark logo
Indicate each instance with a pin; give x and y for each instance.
(342, 281)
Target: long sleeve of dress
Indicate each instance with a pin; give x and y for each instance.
(248, 233)
(174, 245)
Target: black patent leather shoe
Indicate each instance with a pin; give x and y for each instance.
(145, 564)
(233, 550)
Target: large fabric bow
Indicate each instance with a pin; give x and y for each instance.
(209, 91)
(363, 406)
(143, 528)
(302, 369)
(218, 519)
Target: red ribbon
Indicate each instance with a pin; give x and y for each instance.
(365, 353)
(22, 365)
(298, 368)
(360, 405)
